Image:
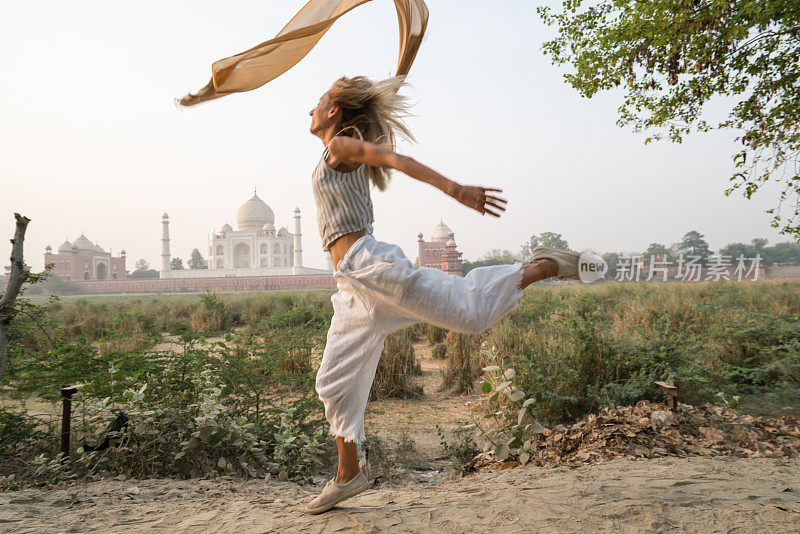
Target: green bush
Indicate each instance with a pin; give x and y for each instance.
(577, 350)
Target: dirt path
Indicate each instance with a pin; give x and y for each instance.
(419, 416)
(669, 494)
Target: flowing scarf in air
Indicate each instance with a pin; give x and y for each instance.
(265, 62)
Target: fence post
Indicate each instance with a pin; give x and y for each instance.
(67, 391)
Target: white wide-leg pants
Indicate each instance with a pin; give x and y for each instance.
(379, 292)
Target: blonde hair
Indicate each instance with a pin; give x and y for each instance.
(376, 111)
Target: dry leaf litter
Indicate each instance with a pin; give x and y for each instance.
(650, 430)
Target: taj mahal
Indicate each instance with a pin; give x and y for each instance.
(255, 248)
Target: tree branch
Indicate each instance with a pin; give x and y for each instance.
(19, 273)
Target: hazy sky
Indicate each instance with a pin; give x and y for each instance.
(91, 141)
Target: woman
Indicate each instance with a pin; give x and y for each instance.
(378, 289)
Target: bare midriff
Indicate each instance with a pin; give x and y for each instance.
(342, 244)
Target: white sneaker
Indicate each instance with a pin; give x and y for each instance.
(333, 492)
(567, 261)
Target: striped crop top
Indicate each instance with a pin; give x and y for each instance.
(343, 202)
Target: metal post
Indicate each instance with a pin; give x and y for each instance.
(67, 391)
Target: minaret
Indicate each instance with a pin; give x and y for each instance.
(165, 263)
(298, 247)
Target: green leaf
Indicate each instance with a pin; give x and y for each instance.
(521, 415)
(537, 428)
(517, 395)
(502, 452)
(503, 385)
(486, 387)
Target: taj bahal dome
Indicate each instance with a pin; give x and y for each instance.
(254, 214)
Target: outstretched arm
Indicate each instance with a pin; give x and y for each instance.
(347, 149)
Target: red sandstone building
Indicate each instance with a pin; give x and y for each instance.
(83, 260)
(440, 252)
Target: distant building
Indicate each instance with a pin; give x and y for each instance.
(440, 252)
(84, 260)
(255, 248)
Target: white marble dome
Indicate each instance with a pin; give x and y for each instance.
(441, 232)
(226, 228)
(66, 246)
(450, 243)
(254, 214)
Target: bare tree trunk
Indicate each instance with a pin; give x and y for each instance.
(19, 273)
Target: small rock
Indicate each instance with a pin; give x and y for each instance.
(121, 478)
(133, 490)
(283, 476)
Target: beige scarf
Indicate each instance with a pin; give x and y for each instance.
(265, 62)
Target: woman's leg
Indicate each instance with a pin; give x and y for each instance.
(469, 304)
(348, 460)
(538, 270)
(345, 375)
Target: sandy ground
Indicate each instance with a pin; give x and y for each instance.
(668, 494)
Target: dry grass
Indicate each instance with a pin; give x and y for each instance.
(393, 378)
(464, 362)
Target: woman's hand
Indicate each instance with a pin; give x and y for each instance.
(476, 198)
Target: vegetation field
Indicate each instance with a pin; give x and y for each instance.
(215, 384)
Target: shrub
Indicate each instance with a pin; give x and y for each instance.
(390, 457)
(19, 432)
(461, 449)
(462, 364)
(434, 334)
(212, 315)
(576, 350)
(395, 367)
